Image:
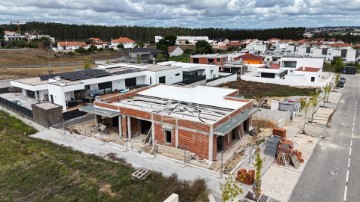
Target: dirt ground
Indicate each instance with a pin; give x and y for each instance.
(251, 89)
(40, 56)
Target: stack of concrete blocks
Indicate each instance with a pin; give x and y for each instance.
(272, 145)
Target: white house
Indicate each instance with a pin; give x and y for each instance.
(182, 40)
(13, 36)
(126, 42)
(65, 89)
(256, 47)
(70, 45)
(175, 51)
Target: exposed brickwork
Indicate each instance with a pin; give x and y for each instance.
(233, 94)
(105, 105)
(194, 125)
(214, 147)
(135, 113)
(135, 128)
(160, 135)
(124, 126)
(194, 142)
(165, 119)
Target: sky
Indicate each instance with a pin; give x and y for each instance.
(240, 14)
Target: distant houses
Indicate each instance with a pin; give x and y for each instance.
(70, 45)
(126, 42)
(175, 51)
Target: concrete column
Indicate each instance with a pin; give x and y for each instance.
(176, 134)
(129, 126)
(211, 143)
(120, 127)
(97, 122)
(152, 129)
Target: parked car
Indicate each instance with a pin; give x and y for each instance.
(342, 80)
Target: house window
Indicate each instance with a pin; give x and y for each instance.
(312, 79)
(217, 59)
(178, 74)
(168, 136)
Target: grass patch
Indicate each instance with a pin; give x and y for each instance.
(181, 58)
(37, 170)
(250, 89)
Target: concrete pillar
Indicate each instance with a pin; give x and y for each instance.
(176, 134)
(211, 143)
(97, 122)
(152, 129)
(129, 126)
(120, 127)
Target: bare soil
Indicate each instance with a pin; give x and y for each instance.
(252, 90)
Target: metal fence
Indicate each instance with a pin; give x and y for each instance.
(16, 108)
(73, 114)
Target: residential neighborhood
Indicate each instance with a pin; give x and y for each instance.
(171, 101)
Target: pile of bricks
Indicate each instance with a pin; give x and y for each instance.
(298, 155)
(246, 176)
(281, 132)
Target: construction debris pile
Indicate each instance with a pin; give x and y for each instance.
(283, 149)
(246, 176)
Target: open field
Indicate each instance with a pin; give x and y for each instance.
(37, 170)
(251, 89)
(18, 73)
(181, 58)
(10, 57)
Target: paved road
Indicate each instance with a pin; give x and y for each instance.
(332, 173)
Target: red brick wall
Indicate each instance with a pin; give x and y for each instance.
(135, 113)
(135, 128)
(124, 126)
(194, 142)
(165, 119)
(160, 135)
(194, 125)
(214, 147)
(105, 105)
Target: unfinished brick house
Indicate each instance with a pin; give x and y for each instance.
(202, 120)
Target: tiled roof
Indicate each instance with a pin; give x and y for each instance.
(250, 57)
(122, 40)
(340, 45)
(275, 66)
(72, 43)
(235, 43)
(308, 69)
(171, 48)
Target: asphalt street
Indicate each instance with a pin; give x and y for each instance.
(332, 173)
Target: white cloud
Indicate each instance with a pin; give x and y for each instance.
(189, 13)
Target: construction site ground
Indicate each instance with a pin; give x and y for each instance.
(279, 181)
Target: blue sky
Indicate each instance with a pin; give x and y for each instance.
(242, 14)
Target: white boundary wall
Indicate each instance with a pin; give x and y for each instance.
(270, 115)
(222, 80)
(289, 81)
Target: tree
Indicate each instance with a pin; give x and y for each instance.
(203, 47)
(87, 64)
(171, 39)
(88, 41)
(314, 101)
(305, 104)
(139, 44)
(327, 90)
(258, 165)
(159, 57)
(229, 190)
(337, 78)
(337, 63)
(81, 50)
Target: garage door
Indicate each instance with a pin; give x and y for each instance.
(267, 75)
(30, 93)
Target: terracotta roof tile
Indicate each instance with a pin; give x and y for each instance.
(71, 43)
(122, 40)
(308, 69)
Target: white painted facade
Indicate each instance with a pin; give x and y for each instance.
(176, 52)
(256, 47)
(60, 91)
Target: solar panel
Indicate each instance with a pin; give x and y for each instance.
(46, 77)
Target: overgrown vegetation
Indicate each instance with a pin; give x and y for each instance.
(37, 170)
(252, 90)
(180, 58)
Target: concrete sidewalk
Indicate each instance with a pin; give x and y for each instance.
(138, 160)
